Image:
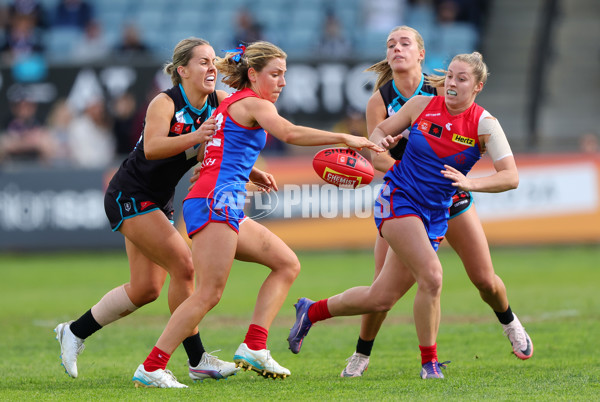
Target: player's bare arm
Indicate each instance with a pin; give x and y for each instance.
(376, 113)
(157, 143)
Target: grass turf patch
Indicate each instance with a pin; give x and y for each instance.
(553, 290)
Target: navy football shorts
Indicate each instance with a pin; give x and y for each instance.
(120, 206)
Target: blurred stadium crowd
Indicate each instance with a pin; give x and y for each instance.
(35, 34)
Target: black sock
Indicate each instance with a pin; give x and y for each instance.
(85, 325)
(506, 317)
(364, 347)
(194, 349)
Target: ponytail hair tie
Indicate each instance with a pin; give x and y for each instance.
(238, 52)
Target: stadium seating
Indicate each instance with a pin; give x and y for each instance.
(296, 26)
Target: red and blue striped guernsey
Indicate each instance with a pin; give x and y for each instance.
(229, 157)
(437, 138)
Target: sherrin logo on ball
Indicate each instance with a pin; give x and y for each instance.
(343, 167)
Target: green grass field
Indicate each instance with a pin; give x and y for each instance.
(553, 290)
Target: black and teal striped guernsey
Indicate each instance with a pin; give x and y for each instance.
(393, 101)
(157, 179)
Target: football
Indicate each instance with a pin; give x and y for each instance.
(343, 167)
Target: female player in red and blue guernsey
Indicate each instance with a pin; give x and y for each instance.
(399, 78)
(213, 210)
(447, 137)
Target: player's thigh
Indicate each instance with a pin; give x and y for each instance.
(380, 250)
(258, 244)
(394, 280)
(467, 237)
(410, 242)
(213, 250)
(146, 277)
(157, 240)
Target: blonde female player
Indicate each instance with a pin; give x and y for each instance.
(400, 77)
(139, 204)
(448, 134)
(215, 219)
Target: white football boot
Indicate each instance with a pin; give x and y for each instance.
(70, 347)
(212, 367)
(520, 341)
(357, 365)
(155, 379)
(259, 361)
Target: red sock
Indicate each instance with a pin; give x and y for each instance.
(428, 353)
(256, 337)
(157, 359)
(318, 311)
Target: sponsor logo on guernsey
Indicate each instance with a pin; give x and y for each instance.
(470, 142)
(432, 114)
(448, 126)
(177, 128)
(430, 128)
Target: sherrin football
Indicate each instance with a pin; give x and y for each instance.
(343, 167)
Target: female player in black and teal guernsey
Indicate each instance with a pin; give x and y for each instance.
(139, 204)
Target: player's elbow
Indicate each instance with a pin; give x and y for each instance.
(150, 156)
(289, 137)
(151, 152)
(513, 181)
(380, 165)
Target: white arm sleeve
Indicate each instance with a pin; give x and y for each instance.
(497, 145)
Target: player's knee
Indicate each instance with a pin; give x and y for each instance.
(383, 306)
(212, 298)
(431, 283)
(293, 266)
(484, 285)
(208, 295)
(381, 303)
(183, 270)
(146, 295)
(288, 265)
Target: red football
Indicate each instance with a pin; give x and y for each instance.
(343, 167)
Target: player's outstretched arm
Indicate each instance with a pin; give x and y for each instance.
(265, 113)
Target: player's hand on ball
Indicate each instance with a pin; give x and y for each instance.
(359, 143)
(343, 167)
